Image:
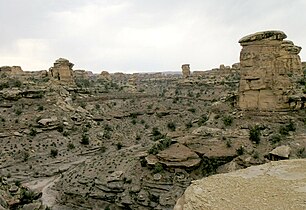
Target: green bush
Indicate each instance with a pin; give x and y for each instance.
(119, 145)
(202, 120)
(275, 138)
(228, 120)
(85, 139)
(255, 134)
(158, 168)
(284, 130)
(70, 146)
(33, 132)
(54, 153)
(240, 150)
(171, 126)
(161, 145)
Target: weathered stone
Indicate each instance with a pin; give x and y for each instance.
(62, 70)
(49, 121)
(178, 155)
(271, 186)
(281, 152)
(115, 176)
(269, 66)
(186, 70)
(32, 206)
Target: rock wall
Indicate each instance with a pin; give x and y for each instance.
(269, 67)
(275, 185)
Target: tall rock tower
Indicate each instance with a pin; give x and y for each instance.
(269, 67)
(62, 70)
(186, 70)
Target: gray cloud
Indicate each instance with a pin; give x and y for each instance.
(137, 35)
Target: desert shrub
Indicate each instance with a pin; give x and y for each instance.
(54, 153)
(275, 138)
(119, 145)
(192, 110)
(228, 143)
(25, 156)
(202, 120)
(158, 168)
(103, 149)
(161, 145)
(240, 150)
(82, 104)
(40, 108)
(255, 134)
(60, 128)
(171, 126)
(188, 124)
(82, 83)
(227, 120)
(70, 146)
(301, 153)
(85, 139)
(284, 130)
(27, 196)
(156, 133)
(33, 132)
(18, 111)
(65, 133)
(133, 121)
(17, 183)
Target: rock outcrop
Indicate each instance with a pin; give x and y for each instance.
(11, 70)
(275, 185)
(186, 70)
(62, 70)
(269, 67)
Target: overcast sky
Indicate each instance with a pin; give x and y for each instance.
(139, 35)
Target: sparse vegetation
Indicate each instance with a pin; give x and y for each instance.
(255, 134)
(85, 139)
(54, 153)
(228, 120)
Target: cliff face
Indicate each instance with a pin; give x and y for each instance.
(275, 185)
(269, 68)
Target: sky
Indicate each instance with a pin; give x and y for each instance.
(139, 35)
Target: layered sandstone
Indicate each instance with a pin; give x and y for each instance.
(186, 70)
(275, 185)
(269, 68)
(11, 70)
(62, 70)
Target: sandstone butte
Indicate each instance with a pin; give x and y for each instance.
(275, 185)
(269, 66)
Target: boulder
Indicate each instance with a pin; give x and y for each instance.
(281, 152)
(178, 155)
(275, 185)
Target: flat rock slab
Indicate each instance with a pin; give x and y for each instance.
(275, 185)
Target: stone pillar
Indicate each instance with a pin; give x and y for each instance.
(62, 70)
(186, 70)
(268, 66)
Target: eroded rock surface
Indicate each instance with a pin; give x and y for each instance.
(269, 68)
(275, 185)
